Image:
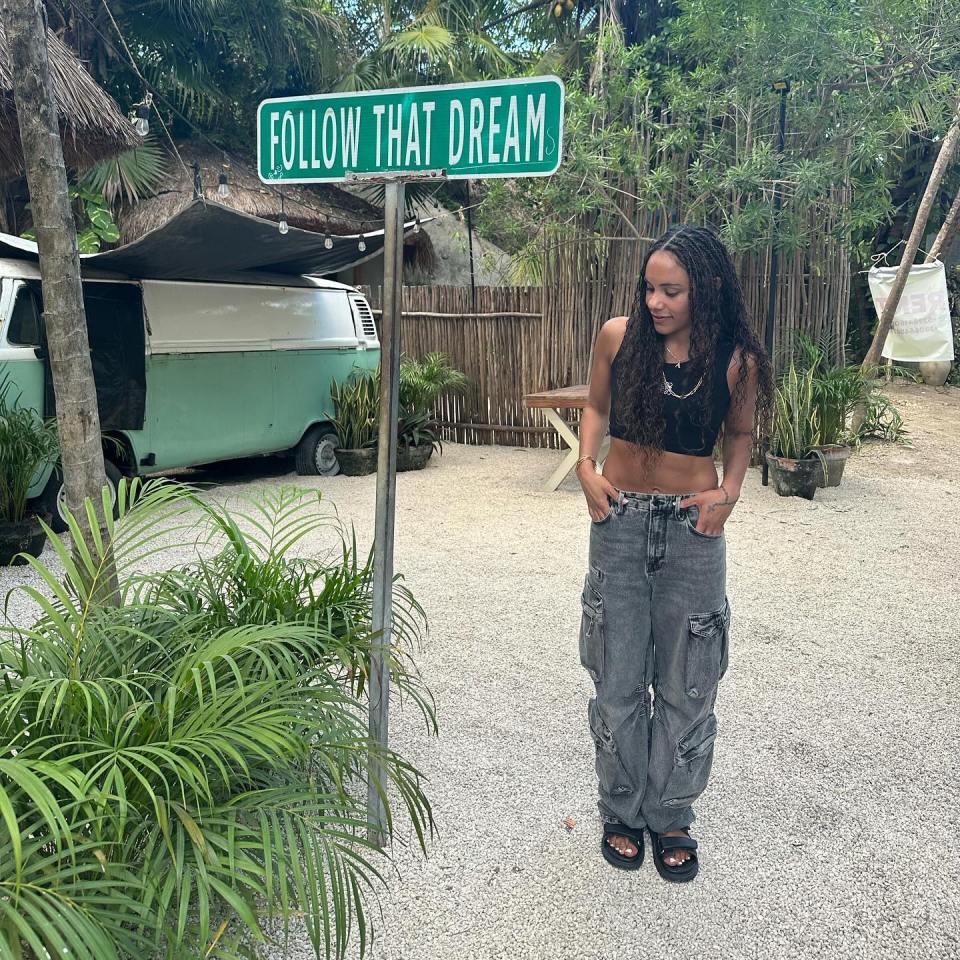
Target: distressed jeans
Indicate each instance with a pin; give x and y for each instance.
(654, 638)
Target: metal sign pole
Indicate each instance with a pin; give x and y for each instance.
(379, 691)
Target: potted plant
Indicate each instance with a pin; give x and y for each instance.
(837, 391)
(794, 456)
(356, 406)
(28, 443)
(417, 440)
(421, 383)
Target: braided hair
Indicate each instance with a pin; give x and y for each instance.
(717, 314)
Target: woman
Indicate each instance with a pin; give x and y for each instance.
(679, 372)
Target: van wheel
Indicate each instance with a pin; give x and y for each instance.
(53, 499)
(316, 453)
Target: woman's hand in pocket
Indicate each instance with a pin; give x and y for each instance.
(598, 490)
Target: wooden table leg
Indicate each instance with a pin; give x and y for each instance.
(570, 438)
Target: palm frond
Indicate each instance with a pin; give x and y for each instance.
(128, 177)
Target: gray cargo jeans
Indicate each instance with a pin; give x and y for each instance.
(655, 615)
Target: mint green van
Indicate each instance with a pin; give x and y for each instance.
(190, 372)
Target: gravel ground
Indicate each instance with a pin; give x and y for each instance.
(830, 826)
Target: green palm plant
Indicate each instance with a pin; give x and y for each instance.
(129, 176)
(179, 778)
(422, 381)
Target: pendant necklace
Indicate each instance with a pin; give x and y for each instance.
(674, 356)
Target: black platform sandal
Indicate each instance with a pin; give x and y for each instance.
(612, 855)
(684, 872)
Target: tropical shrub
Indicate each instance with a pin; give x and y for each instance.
(422, 382)
(183, 773)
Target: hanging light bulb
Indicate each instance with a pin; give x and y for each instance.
(327, 241)
(416, 224)
(362, 245)
(141, 115)
(223, 183)
(283, 227)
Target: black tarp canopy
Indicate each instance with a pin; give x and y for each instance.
(208, 241)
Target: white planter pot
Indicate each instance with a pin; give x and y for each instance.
(935, 372)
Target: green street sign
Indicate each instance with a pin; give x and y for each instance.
(496, 128)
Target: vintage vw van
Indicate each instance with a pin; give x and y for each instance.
(194, 372)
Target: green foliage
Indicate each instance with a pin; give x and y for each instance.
(796, 419)
(183, 773)
(93, 218)
(127, 177)
(882, 421)
(357, 402)
(837, 389)
(422, 381)
(684, 124)
(356, 406)
(415, 428)
(28, 443)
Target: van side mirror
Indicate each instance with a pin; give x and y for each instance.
(41, 352)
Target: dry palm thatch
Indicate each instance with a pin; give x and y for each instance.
(323, 208)
(91, 124)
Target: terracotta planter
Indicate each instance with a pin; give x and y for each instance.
(836, 457)
(357, 463)
(794, 478)
(413, 458)
(27, 536)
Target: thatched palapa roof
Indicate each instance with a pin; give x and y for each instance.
(323, 208)
(92, 126)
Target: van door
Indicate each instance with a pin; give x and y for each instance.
(115, 332)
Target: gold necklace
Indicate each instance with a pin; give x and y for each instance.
(675, 357)
(668, 388)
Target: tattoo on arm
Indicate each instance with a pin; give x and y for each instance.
(727, 500)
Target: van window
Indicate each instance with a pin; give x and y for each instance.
(25, 324)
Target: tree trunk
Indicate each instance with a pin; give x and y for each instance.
(78, 419)
(947, 149)
(947, 232)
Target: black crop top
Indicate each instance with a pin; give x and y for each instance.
(682, 433)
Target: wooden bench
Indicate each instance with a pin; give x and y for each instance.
(566, 398)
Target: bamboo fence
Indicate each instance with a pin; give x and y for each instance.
(495, 339)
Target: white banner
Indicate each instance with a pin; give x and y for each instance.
(921, 327)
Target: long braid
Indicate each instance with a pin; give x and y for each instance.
(717, 312)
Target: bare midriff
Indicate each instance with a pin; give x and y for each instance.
(671, 473)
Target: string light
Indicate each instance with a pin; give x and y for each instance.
(283, 226)
(327, 241)
(223, 182)
(140, 116)
(416, 224)
(362, 245)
